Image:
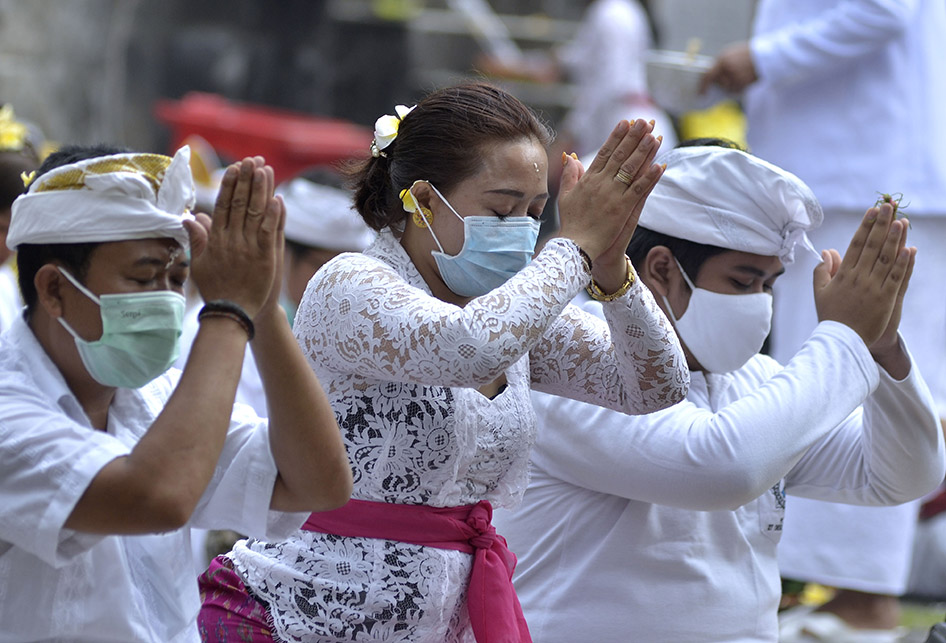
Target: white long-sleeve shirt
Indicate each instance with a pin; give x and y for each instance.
(60, 584)
(600, 560)
(850, 97)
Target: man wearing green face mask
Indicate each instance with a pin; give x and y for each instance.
(106, 456)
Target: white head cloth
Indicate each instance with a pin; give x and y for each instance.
(108, 198)
(733, 200)
(321, 216)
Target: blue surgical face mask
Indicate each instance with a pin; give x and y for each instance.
(140, 340)
(493, 251)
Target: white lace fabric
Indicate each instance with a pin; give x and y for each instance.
(401, 369)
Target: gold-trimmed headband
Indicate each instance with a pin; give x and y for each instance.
(150, 167)
(109, 198)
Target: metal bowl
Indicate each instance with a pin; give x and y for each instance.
(673, 79)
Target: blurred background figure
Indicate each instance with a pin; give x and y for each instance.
(20, 150)
(605, 62)
(207, 169)
(824, 79)
(320, 224)
(927, 578)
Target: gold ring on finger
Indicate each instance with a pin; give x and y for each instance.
(623, 177)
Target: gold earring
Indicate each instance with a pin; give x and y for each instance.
(422, 217)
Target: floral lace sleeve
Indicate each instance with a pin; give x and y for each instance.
(359, 315)
(641, 371)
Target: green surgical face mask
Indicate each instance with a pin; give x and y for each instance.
(141, 335)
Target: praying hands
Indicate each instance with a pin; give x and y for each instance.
(865, 289)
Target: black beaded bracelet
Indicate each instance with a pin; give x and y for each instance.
(230, 310)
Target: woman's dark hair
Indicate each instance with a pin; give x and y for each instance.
(442, 141)
(75, 257)
(690, 254)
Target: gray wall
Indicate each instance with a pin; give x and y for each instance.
(90, 70)
(61, 64)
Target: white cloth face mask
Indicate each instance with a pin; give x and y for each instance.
(722, 331)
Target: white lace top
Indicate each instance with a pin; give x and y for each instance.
(401, 369)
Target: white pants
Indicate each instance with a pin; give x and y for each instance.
(862, 548)
(928, 571)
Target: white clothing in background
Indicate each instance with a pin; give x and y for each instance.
(250, 389)
(400, 369)
(59, 584)
(888, 531)
(11, 303)
(928, 569)
(605, 61)
(600, 560)
(851, 98)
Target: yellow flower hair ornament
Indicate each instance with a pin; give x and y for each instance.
(13, 133)
(422, 216)
(385, 129)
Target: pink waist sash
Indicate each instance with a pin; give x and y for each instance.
(495, 613)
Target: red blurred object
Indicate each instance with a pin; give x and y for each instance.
(289, 141)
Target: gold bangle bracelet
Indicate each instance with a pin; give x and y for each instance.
(595, 292)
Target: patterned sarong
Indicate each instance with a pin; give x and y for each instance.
(229, 614)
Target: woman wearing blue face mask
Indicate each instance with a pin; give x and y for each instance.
(429, 344)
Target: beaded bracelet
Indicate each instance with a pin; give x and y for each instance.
(594, 290)
(230, 310)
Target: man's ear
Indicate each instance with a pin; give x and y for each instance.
(658, 270)
(49, 283)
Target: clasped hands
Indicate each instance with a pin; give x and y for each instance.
(599, 207)
(865, 289)
(237, 254)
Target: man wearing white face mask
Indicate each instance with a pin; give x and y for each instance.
(664, 527)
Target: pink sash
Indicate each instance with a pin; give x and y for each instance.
(495, 613)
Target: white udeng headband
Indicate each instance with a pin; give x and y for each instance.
(321, 216)
(731, 199)
(108, 198)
